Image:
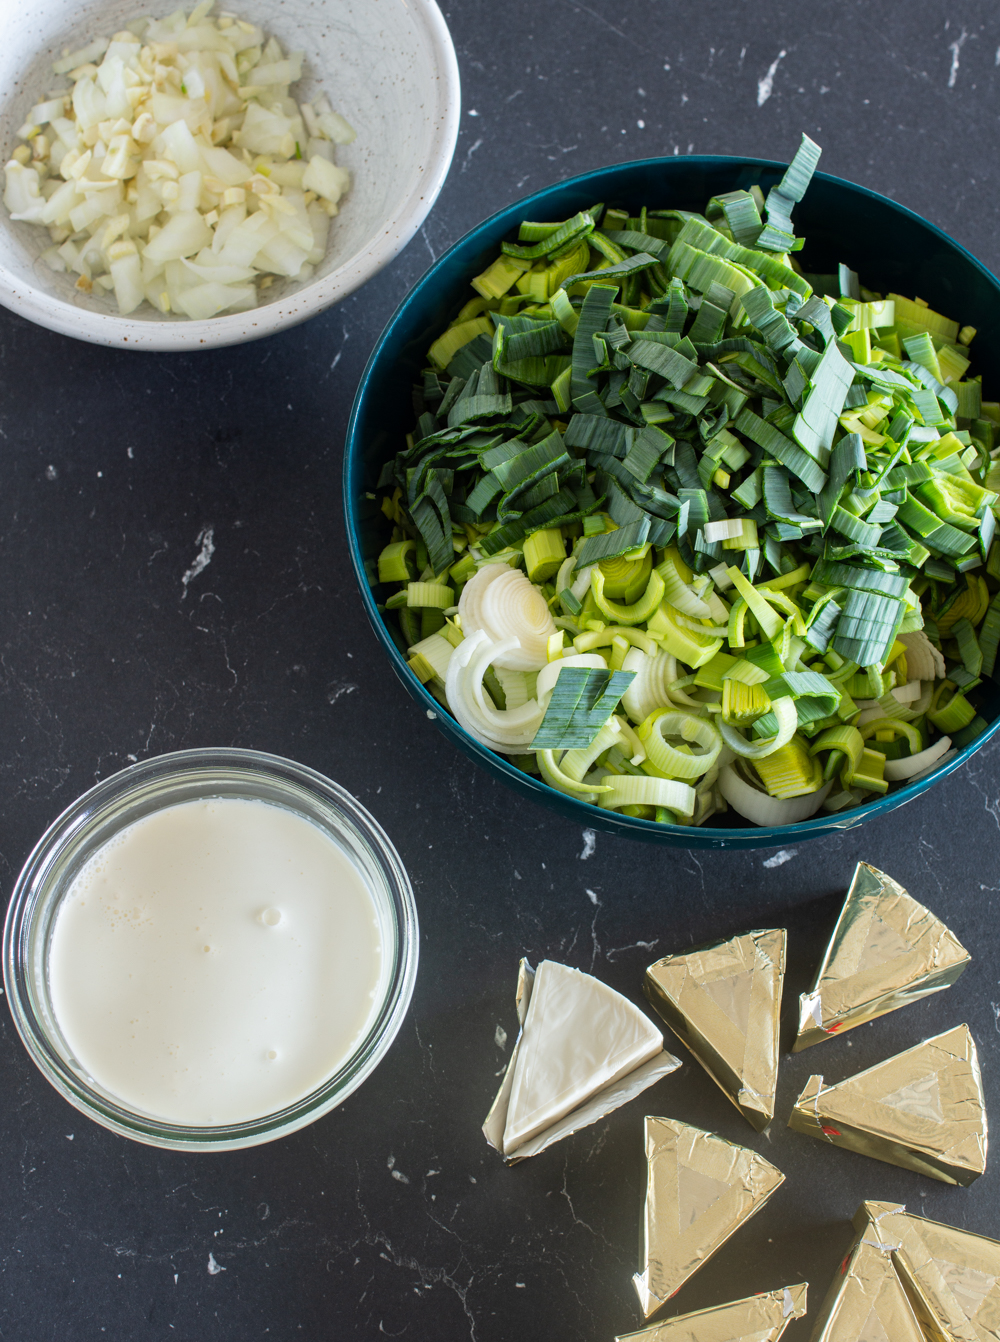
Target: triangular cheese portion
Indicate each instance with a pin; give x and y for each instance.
(579, 1036)
(867, 1302)
(699, 1190)
(952, 1275)
(733, 995)
(723, 1001)
(969, 1286)
(696, 1193)
(886, 951)
(919, 1099)
(758, 1318)
(923, 1110)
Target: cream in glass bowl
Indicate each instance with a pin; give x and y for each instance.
(210, 949)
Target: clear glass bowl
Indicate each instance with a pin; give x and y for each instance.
(120, 801)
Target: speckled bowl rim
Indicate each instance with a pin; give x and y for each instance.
(583, 813)
(298, 305)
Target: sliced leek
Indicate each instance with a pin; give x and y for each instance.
(690, 512)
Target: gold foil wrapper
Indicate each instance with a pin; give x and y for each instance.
(867, 1302)
(762, 1318)
(952, 1276)
(699, 1190)
(583, 1051)
(886, 951)
(723, 1001)
(923, 1110)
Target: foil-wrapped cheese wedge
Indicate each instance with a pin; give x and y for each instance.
(923, 1110)
(762, 1318)
(867, 1302)
(583, 1050)
(699, 1190)
(952, 1276)
(723, 1002)
(886, 951)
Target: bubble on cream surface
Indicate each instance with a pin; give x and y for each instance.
(216, 961)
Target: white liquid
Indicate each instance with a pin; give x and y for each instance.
(215, 962)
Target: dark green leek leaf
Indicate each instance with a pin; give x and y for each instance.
(611, 544)
(782, 449)
(593, 318)
(579, 226)
(618, 270)
(583, 699)
(816, 422)
(668, 363)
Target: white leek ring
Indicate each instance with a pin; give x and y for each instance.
(505, 605)
(667, 759)
(764, 810)
(895, 770)
(628, 790)
(554, 776)
(655, 672)
(509, 731)
(576, 763)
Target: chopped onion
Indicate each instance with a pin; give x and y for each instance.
(183, 144)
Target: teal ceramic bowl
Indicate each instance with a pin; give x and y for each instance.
(891, 248)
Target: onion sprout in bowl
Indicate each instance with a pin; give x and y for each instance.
(178, 170)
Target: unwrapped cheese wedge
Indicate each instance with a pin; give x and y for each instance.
(583, 1051)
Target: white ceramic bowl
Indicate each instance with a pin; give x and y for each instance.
(388, 65)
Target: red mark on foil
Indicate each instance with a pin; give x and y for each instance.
(843, 1266)
(831, 1132)
(832, 1029)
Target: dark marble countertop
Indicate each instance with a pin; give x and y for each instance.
(391, 1216)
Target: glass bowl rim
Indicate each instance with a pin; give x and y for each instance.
(109, 799)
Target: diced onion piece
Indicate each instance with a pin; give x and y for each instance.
(147, 149)
(326, 179)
